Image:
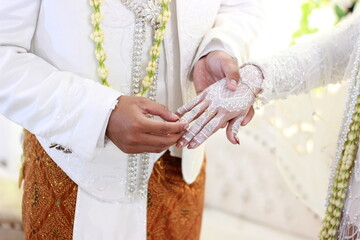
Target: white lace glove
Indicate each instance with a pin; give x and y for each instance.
(216, 106)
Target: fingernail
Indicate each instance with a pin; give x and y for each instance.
(175, 116)
(192, 145)
(233, 83)
(186, 126)
(237, 139)
(181, 144)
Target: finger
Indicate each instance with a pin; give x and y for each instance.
(210, 128)
(144, 149)
(248, 117)
(188, 106)
(231, 72)
(156, 109)
(195, 112)
(233, 129)
(164, 141)
(136, 149)
(195, 128)
(139, 148)
(234, 126)
(152, 143)
(162, 128)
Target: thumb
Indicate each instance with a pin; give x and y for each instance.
(157, 109)
(232, 74)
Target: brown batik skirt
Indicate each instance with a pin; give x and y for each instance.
(174, 208)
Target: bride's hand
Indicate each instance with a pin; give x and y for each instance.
(217, 105)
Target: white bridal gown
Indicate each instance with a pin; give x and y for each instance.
(321, 59)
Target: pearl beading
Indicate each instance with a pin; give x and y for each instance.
(339, 188)
(347, 119)
(157, 13)
(138, 164)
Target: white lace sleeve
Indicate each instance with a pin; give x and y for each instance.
(318, 60)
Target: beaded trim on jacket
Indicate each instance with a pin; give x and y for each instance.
(156, 13)
(345, 158)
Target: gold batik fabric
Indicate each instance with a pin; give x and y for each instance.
(49, 195)
(174, 207)
(49, 201)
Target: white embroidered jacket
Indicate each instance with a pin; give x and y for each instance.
(48, 85)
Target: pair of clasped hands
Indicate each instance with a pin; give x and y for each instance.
(225, 99)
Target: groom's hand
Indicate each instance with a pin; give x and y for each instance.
(133, 132)
(214, 67)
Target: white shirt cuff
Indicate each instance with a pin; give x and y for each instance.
(102, 138)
